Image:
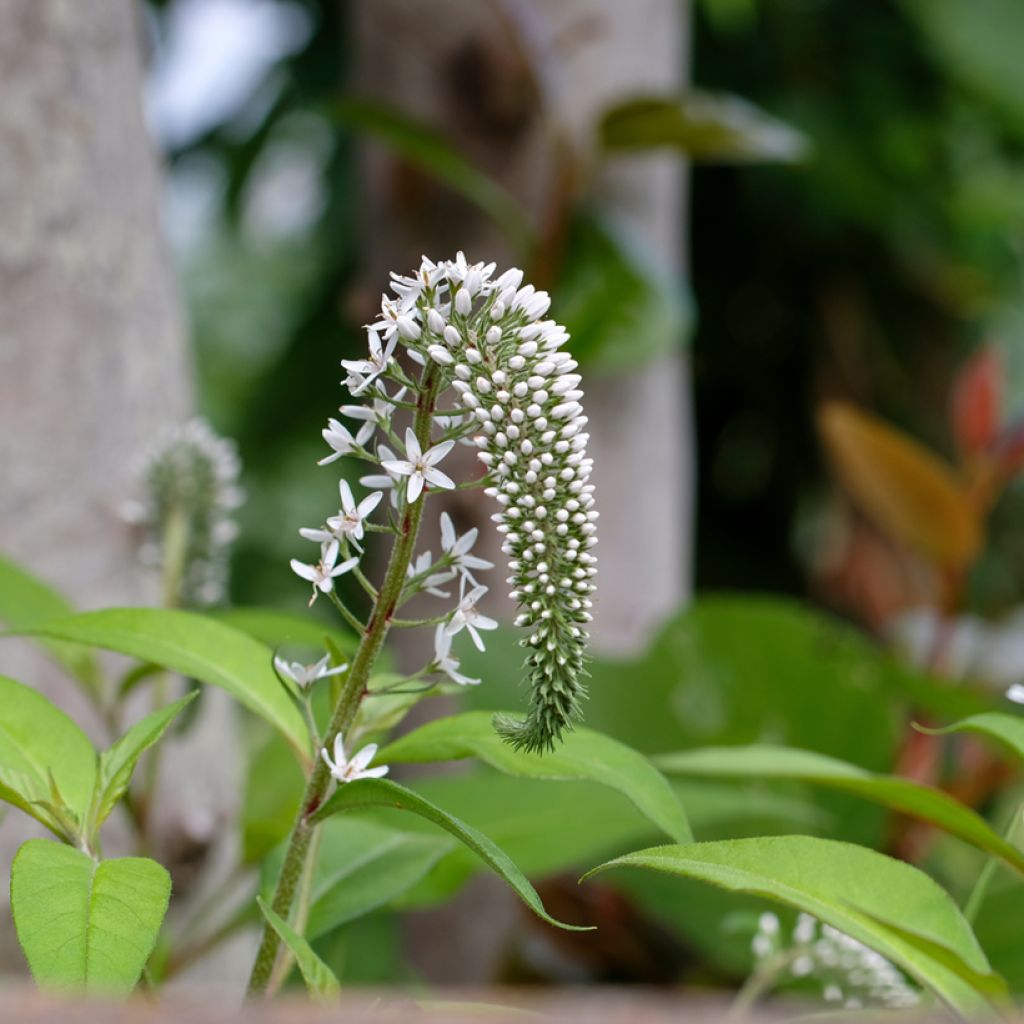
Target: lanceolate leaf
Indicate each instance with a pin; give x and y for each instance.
(424, 147)
(365, 864)
(86, 927)
(996, 725)
(275, 628)
(704, 126)
(118, 763)
(583, 754)
(884, 903)
(38, 742)
(919, 801)
(910, 494)
(26, 601)
(196, 646)
(319, 978)
(383, 793)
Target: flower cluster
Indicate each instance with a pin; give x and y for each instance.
(186, 515)
(850, 973)
(483, 339)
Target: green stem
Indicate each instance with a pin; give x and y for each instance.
(980, 890)
(348, 616)
(760, 981)
(370, 645)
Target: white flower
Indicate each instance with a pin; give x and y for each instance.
(444, 660)
(377, 414)
(430, 583)
(419, 465)
(457, 548)
(350, 522)
(306, 675)
(384, 481)
(323, 574)
(348, 770)
(337, 435)
(466, 616)
(1016, 693)
(363, 372)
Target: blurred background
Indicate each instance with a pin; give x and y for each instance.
(786, 236)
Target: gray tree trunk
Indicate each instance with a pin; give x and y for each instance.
(93, 356)
(497, 77)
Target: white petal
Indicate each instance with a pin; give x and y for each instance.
(412, 445)
(307, 572)
(438, 452)
(347, 501)
(439, 479)
(415, 485)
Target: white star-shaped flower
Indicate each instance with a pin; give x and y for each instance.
(444, 660)
(376, 414)
(420, 466)
(430, 583)
(466, 616)
(337, 435)
(350, 522)
(349, 769)
(323, 574)
(457, 548)
(363, 372)
(306, 675)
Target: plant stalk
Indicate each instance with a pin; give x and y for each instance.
(297, 854)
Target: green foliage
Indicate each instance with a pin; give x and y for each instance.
(86, 927)
(383, 793)
(47, 764)
(707, 127)
(319, 978)
(365, 864)
(583, 754)
(25, 601)
(117, 764)
(196, 646)
(886, 904)
(617, 304)
(275, 628)
(913, 798)
(427, 149)
(1007, 730)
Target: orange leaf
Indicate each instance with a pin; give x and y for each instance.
(977, 401)
(909, 493)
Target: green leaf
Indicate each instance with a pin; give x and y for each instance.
(25, 601)
(195, 646)
(383, 793)
(365, 864)
(276, 628)
(320, 980)
(86, 927)
(800, 677)
(426, 148)
(38, 742)
(584, 755)
(913, 798)
(884, 903)
(619, 308)
(709, 127)
(1007, 730)
(117, 764)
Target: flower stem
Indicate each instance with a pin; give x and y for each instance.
(298, 852)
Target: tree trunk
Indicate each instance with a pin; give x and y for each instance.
(93, 357)
(495, 77)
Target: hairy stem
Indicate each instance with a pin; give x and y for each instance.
(351, 695)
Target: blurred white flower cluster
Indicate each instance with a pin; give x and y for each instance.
(850, 974)
(185, 513)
